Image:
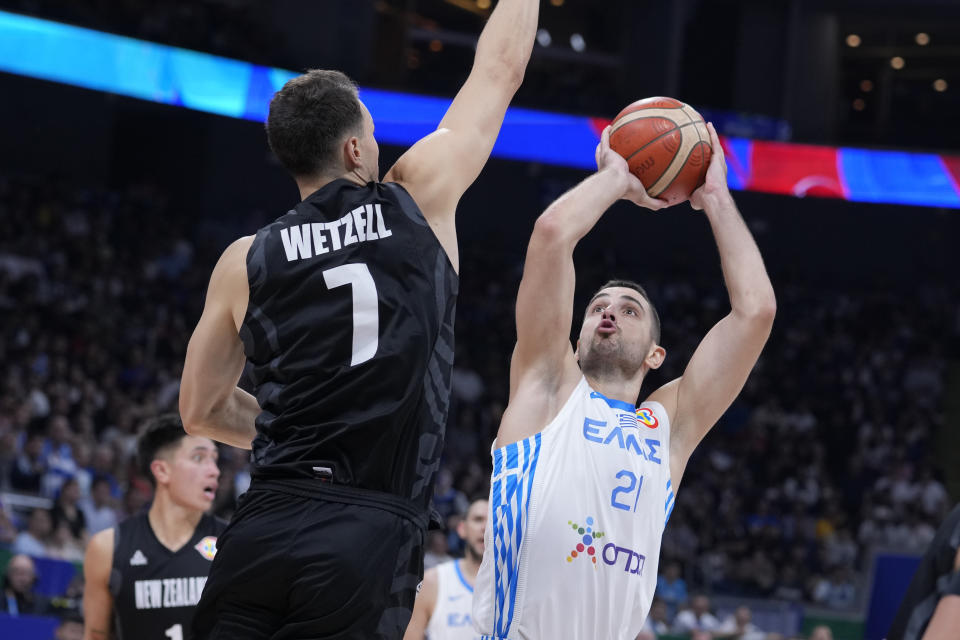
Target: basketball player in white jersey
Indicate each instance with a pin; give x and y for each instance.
(442, 608)
(584, 480)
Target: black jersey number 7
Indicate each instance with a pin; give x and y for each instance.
(366, 308)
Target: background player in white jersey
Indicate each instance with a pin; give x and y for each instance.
(583, 480)
(442, 610)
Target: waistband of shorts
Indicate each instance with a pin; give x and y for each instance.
(317, 490)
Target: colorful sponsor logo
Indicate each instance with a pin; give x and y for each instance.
(585, 546)
(611, 553)
(648, 418)
(207, 547)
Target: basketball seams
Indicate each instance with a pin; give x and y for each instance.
(705, 162)
(644, 114)
(675, 166)
(661, 136)
(665, 148)
(696, 145)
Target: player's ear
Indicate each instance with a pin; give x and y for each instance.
(161, 470)
(655, 357)
(462, 528)
(351, 153)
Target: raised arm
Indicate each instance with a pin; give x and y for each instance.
(543, 363)
(721, 363)
(438, 169)
(211, 404)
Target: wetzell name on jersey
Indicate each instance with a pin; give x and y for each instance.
(363, 224)
(168, 593)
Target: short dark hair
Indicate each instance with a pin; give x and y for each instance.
(157, 436)
(308, 119)
(630, 284)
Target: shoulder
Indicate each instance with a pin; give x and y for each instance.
(667, 397)
(98, 559)
(237, 250)
(431, 583)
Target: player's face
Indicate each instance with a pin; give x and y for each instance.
(473, 526)
(615, 332)
(369, 148)
(194, 474)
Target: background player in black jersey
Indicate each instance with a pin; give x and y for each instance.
(344, 309)
(144, 577)
(931, 607)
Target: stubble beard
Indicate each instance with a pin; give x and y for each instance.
(607, 359)
(473, 554)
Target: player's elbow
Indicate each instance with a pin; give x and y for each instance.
(762, 310)
(194, 413)
(552, 229)
(504, 69)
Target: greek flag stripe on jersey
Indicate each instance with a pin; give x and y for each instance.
(511, 500)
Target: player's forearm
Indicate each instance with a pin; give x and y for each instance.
(507, 41)
(576, 212)
(751, 293)
(231, 421)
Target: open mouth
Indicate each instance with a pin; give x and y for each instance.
(210, 491)
(607, 327)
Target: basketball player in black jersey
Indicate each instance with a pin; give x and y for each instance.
(144, 577)
(931, 606)
(344, 308)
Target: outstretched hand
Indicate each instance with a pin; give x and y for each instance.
(716, 179)
(607, 158)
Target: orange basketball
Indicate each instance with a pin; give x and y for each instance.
(666, 144)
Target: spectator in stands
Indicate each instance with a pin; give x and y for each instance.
(436, 552)
(739, 626)
(671, 588)
(98, 510)
(821, 632)
(19, 597)
(62, 544)
(30, 467)
(58, 455)
(658, 621)
(67, 511)
(8, 531)
(33, 541)
(103, 466)
(70, 628)
(697, 617)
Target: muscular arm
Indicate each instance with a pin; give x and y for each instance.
(423, 607)
(719, 367)
(97, 601)
(438, 169)
(211, 404)
(543, 364)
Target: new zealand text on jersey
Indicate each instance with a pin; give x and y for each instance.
(168, 593)
(363, 224)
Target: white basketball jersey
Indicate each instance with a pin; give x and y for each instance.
(576, 516)
(451, 613)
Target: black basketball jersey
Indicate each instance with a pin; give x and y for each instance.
(349, 331)
(155, 589)
(934, 579)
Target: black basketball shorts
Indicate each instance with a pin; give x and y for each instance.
(291, 567)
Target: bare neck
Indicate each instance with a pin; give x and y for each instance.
(469, 567)
(617, 388)
(309, 186)
(173, 524)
